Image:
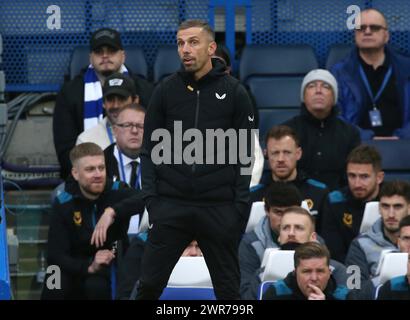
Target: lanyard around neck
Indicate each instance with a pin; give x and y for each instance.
(382, 87)
(109, 132)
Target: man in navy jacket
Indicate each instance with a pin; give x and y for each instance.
(374, 82)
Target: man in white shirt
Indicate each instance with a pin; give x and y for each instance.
(122, 157)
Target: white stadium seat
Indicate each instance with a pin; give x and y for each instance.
(370, 216)
(278, 265)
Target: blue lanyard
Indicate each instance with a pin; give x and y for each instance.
(109, 132)
(124, 179)
(382, 87)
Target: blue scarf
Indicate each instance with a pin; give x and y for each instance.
(93, 97)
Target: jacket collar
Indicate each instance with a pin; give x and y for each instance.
(317, 122)
(218, 70)
(73, 188)
(291, 282)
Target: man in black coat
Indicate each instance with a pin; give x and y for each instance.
(311, 280)
(123, 157)
(325, 139)
(192, 194)
(79, 102)
(89, 216)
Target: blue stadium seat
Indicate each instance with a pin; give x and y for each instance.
(271, 117)
(135, 60)
(274, 73)
(337, 52)
(276, 92)
(188, 293)
(263, 287)
(79, 60)
(166, 62)
(395, 157)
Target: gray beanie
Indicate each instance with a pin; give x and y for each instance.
(319, 74)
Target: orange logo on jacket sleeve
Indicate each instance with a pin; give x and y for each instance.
(347, 219)
(77, 218)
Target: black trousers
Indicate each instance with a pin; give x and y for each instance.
(92, 287)
(174, 226)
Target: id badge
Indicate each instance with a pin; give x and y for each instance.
(375, 118)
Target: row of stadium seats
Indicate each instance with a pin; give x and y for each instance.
(184, 284)
(166, 62)
(262, 68)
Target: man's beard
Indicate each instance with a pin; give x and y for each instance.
(290, 245)
(107, 73)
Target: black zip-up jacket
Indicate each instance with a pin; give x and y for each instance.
(215, 101)
(68, 117)
(312, 191)
(397, 288)
(341, 220)
(325, 145)
(71, 224)
(288, 289)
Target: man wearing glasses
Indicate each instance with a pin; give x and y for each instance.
(374, 85)
(122, 158)
(118, 91)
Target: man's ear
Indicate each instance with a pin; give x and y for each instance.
(299, 153)
(313, 236)
(212, 48)
(74, 173)
(380, 177)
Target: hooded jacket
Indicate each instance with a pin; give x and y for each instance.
(251, 251)
(397, 288)
(73, 220)
(365, 251)
(341, 220)
(325, 146)
(179, 103)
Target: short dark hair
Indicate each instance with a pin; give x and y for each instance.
(83, 150)
(282, 194)
(301, 211)
(404, 222)
(311, 250)
(365, 154)
(279, 132)
(395, 188)
(197, 24)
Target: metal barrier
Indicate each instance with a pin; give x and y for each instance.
(5, 291)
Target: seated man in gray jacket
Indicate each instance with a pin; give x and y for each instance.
(296, 227)
(365, 251)
(278, 197)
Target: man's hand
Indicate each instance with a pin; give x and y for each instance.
(102, 257)
(100, 232)
(317, 294)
